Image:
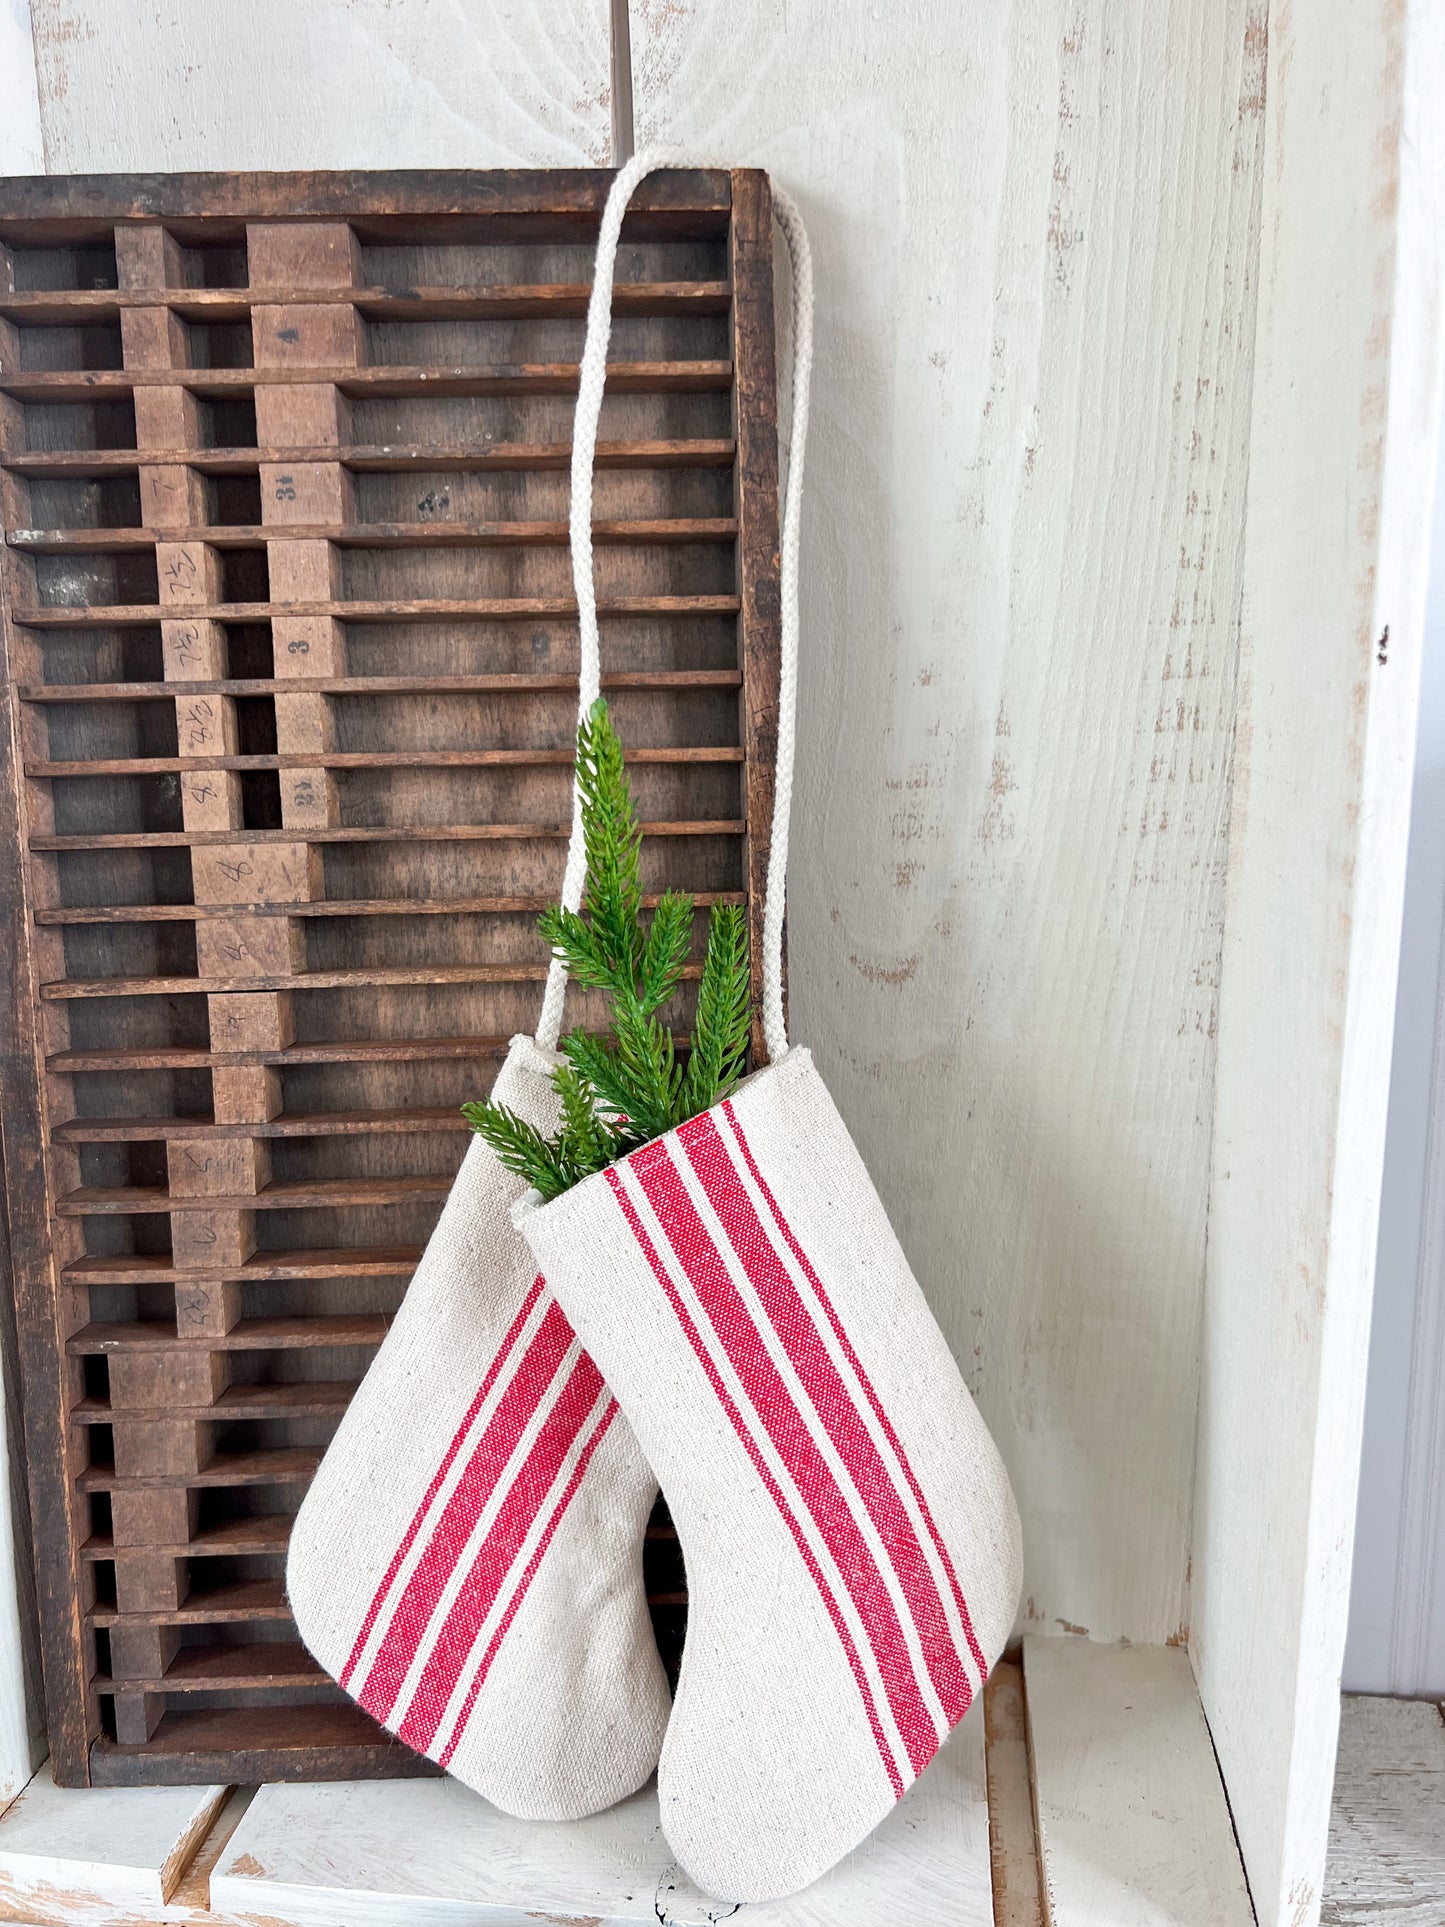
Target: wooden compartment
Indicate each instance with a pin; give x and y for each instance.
(291, 663)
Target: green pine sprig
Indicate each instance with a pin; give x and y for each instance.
(623, 1087)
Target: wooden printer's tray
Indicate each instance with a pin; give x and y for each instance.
(290, 693)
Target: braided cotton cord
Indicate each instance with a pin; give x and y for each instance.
(775, 1023)
(592, 378)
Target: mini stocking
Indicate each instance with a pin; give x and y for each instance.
(468, 1560)
(852, 1545)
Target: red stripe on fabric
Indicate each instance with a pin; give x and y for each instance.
(498, 1553)
(499, 1441)
(774, 1490)
(855, 1365)
(373, 1611)
(579, 1472)
(787, 1426)
(783, 1305)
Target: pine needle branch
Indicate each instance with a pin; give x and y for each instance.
(620, 1090)
(723, 1021)
(522, 1148)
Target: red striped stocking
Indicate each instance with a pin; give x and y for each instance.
(852, 1545)
(468, 1560)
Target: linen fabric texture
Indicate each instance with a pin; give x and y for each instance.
(468, 1560)
(852, 1544)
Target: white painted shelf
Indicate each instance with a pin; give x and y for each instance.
(1133, 1825)
(1134, 1832)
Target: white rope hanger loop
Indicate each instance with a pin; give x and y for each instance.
(592, 379)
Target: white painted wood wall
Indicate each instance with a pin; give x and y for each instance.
(1124, 334)
(1348, 346)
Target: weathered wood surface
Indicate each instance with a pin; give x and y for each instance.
(1034, 232)
(433, 1854)
(124, 1850)
(1134, 1828)
(106, 1889)
(1386, 1865)
(42, 1313)
(1347, 386)
(291, 742)
(1012, 1839)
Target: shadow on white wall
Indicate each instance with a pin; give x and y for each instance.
(1397, 1600)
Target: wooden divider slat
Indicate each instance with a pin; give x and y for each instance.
(516, 684)
(378, 383)
(324, 1194)
(360, 1050)
(198, 1669)
(248, 1334)
(251, 1599)
(418, 609)
(376, 978)
(374, 759)
(281, 1465)
(345, 833)
(67, 307)
(236, 1401)
(341, 1261)
(290, 670)
(108, 1130)
(395, 535)
(337, 907)
(252, 1532)
(464, 457)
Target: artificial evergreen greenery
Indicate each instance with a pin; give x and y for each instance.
(623, 1087)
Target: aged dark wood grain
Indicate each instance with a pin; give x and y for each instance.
(45, 1305)
(503, 204)
(289, 694)
(755, 427)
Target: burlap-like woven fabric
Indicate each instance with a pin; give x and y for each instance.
(852, 1545)
(468, 1561)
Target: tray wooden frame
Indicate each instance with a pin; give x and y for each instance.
(123, 1411)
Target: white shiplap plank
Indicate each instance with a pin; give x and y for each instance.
(102, 1852)
(1345, 406)
(1386, 1864)
(22, 150)
(1035, 229)
(1134, 1828)
(333, 83)
(430, 1854)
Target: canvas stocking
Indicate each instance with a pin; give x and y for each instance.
(468, 1560)
(851, 1541)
